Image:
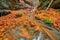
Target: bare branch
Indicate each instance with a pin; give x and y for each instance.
(49, 4)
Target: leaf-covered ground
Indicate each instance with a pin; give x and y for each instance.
(20, 23)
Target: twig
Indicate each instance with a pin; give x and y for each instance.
(49, 5)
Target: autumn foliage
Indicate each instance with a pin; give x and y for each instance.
(20, 20)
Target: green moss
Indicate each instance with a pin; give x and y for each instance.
(48, 21)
